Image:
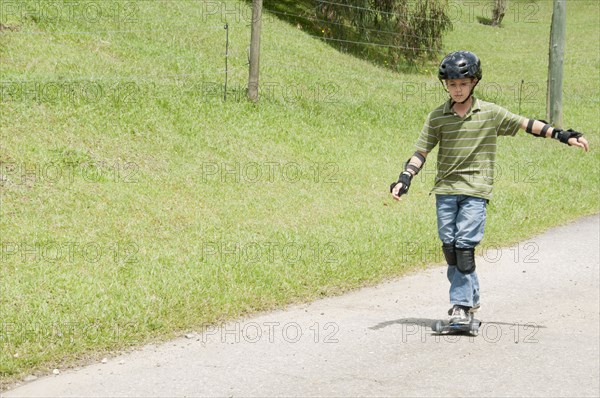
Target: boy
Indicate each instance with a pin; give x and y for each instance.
(466, 130)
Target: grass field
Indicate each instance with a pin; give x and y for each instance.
(136, 204)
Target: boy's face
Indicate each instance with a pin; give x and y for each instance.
(460, 89)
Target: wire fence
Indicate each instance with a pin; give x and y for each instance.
(229, 70)
(201, 33)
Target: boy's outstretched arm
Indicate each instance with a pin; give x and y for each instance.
(411, 169)
(542, 129)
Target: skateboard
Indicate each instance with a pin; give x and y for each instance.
(444, 327)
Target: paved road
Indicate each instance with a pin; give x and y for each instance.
(539, 338)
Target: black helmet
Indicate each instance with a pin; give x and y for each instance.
(460, 64)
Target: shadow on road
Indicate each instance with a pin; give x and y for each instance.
(426, 322)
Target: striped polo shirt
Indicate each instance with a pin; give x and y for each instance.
(467, 146)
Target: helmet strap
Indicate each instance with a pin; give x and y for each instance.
(471, 93)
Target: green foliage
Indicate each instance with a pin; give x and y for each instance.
(407, 30)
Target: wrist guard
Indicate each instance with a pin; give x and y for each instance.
(565, 136)
(404, 179)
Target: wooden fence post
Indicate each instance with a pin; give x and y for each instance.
(555, 63)
(255, 50)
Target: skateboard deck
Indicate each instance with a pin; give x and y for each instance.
(444, 327)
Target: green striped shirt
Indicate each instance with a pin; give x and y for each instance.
(467, 146)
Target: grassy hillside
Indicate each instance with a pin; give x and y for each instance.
(136, 203)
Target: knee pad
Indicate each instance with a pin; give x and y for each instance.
(465, 260)
(449, 253)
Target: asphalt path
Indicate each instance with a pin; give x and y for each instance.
(539, 337)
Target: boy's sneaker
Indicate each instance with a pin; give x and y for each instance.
(459, 314)
(475, 308)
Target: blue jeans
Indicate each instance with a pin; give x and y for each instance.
(461, 221)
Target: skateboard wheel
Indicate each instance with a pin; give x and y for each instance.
(437, 326)
(474, 327)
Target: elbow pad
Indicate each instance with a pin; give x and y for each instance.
(542, 133)
(410, 166)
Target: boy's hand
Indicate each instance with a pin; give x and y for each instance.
(396, 191)
(580, 142)
(571, 138)
(400, 188)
